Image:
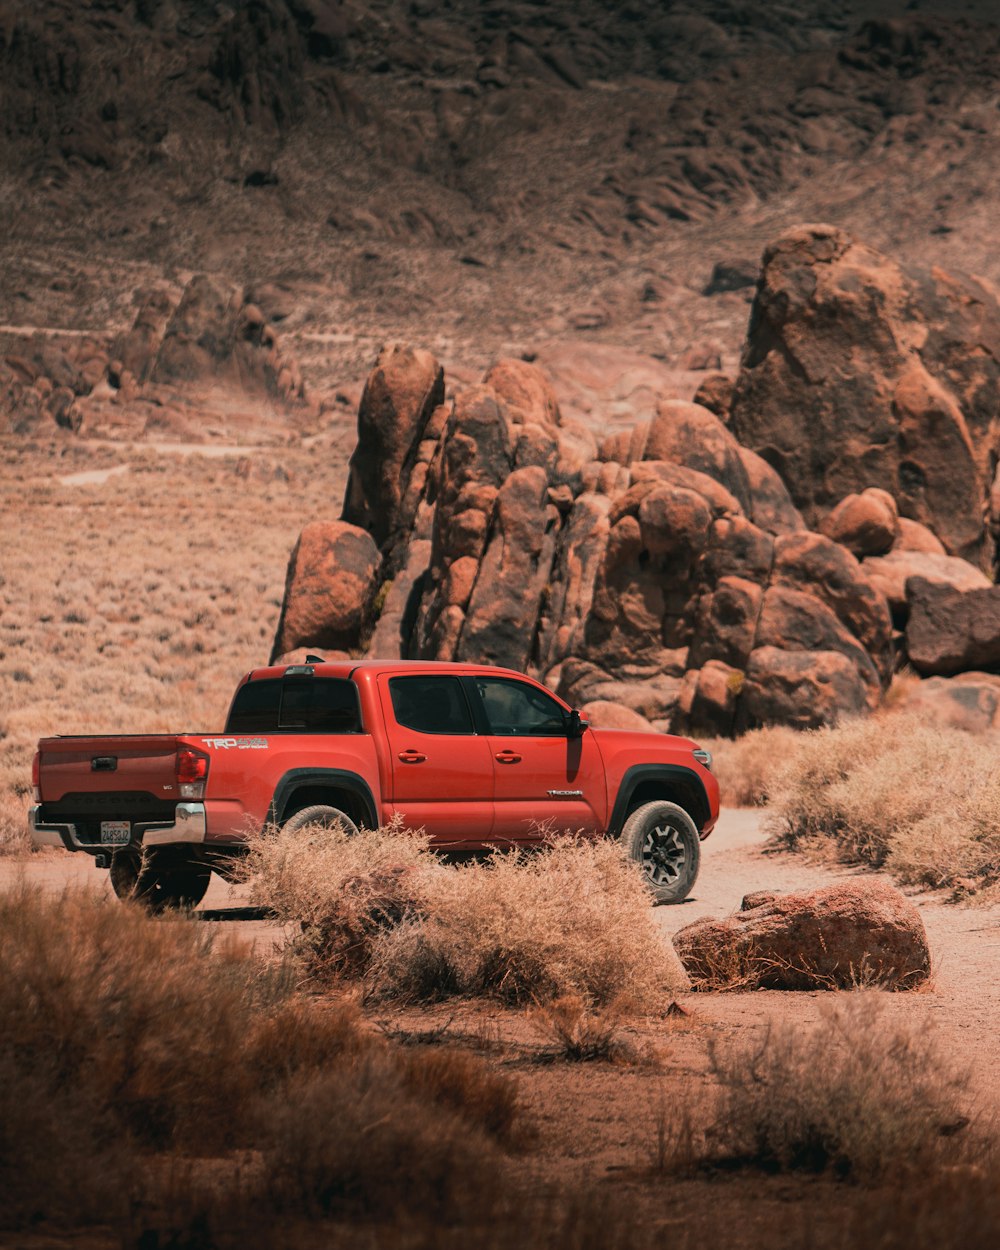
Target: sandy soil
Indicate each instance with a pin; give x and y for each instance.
(599, 1123)
(961, 1002)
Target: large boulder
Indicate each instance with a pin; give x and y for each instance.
(332, 577)
(527, 392)
(951, 631)
(503, 610)
(212, 335)
(800, 688)
(690, 435)
(859, 374)
(892, 573)
(771, 505)
(401, 394)
(859, 932)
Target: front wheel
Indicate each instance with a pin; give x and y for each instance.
(159, 879)
(663, 840)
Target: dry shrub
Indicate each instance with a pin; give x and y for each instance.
(126, 1035)
(726, 967)
(525, 927)
(679, 1142)
(105, 1000)
(958, 1206)
(339, 891)
(329, 1151)
(570, 918)
(459, 1081)
(14, 836)
(896, 791)
(852, 1095)
(748, 768)
(583, 1034)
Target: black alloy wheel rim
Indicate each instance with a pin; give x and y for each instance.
(663, 854)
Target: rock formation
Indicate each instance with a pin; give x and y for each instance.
(838, 937)
(858, 374)
(185, 342)
(665, 571)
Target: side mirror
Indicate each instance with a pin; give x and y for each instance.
(576, 725)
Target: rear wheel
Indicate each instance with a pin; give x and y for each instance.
(159, 878)
(663, 840)
(320, 814)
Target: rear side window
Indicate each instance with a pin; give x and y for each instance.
(431, 705)
(322, 705)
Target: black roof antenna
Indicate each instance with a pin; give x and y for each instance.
(315, 659)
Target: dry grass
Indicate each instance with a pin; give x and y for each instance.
(131, 605)
(958, 1208)
(572, 918)
(920, 799)
(748, 768)
(852, 1095)
(583, 1034)
(126, 1036)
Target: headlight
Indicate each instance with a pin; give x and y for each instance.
(703, 757)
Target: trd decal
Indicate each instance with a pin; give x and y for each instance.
(238, 744)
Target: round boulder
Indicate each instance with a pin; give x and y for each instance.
(866, 524)
(329, 586)
(838, 937)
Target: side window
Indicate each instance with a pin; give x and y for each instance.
(512, 707)
(431, 705)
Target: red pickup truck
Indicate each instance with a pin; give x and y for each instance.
(476, 756)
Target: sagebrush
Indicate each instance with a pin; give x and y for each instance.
(126, 1036)
(854, 1095)
(920, 799)
(748, 767)
(572, 917)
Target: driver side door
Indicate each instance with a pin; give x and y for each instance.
(543, 781)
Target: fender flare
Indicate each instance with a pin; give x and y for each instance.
(675, 777)
(331, 778)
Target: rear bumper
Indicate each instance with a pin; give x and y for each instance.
(188, 825)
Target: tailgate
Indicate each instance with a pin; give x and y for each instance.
(127, 765)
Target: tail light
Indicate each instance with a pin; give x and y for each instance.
(36, 764)
(192, 772)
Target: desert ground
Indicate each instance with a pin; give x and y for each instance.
(600, 1126)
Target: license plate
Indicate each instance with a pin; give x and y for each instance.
(115, 832)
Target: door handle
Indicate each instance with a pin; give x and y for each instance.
(508, 757)
(412, 757)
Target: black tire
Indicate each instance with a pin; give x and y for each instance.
(663, 840)
(320, 814)
(160, 878)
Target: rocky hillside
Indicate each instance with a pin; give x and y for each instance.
(492, 174)
(666, 569)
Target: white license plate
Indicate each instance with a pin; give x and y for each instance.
(115, 832)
